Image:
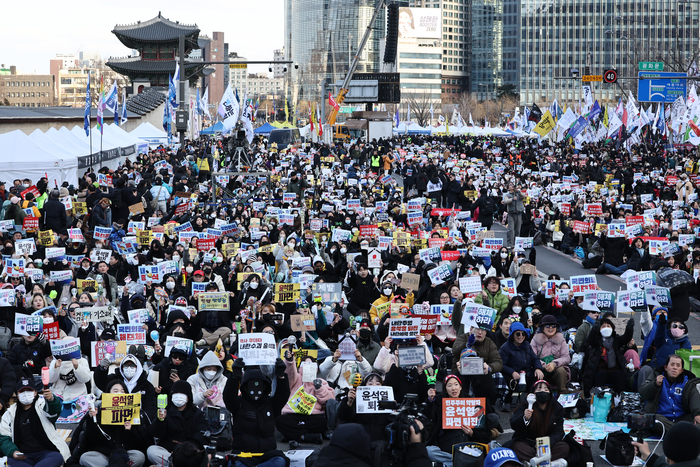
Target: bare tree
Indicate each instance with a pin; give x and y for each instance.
(419, 103)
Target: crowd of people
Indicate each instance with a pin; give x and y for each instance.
(375, 281)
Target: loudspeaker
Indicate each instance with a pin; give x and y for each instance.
(392, 33)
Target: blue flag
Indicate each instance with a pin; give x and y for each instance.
(661, 123)
(123, 118)
(595, 111)
(166, 115)
(88, 104)
(396, 118)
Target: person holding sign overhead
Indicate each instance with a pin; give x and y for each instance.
(28, 434)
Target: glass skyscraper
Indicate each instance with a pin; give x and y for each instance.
(321, 36)
(557, 36)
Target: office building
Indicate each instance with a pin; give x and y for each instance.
(214, 51)
(27, 90)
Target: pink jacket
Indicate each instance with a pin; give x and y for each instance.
(322, 395)
(557, 346)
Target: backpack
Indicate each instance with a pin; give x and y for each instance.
(489, 206)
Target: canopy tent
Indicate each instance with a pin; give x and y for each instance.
(106, 144)
(412, 129)
(282, 125)
(69, 161)
(76, 146)
(264, 130)
(218, 127)
(128, 141)
(36, 162)
(150, 134)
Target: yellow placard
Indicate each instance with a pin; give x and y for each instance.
(383, 309)
(302, 402)
(46, 237)
(287, 293)
(86, 283)
(145, 237)
(120, 408)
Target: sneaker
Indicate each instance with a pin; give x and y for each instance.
(505, 407)
(559, 463)
(201, 343)
(313, 438)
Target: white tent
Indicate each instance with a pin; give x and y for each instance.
(35, 162)
(150, 134)
(107, 142)
(128, 141)
(69, 161)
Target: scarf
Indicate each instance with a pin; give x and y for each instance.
(609, 352)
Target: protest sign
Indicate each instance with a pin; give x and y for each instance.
(599, 301)
(657, 296)
(330, 292)
(131, 333)
(459, 412)
(7, 297)
(149, 274)
(631, 301)
(367, 399)
(407, 328)
(113, 351)
(172, 342)
(582, 284)
(14, 267)
(428, 323)
(213, 301)
(440, 274)
(95, 314)
(410, 281)
(478, 316)
(301, 402)
(444, 311)
(470, 284)
(138, 316)
(257, 349)
(528, 268)
(523, 243)
(640, 280)
(120, 408)
(302, 323)
(65, 349)
(508, 287)
(347, 347)
(412, 355)
(287, 293)
(26, 324)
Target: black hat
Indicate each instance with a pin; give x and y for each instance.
(548, 319)
(108, 333)
(24, 383)
(682, 442)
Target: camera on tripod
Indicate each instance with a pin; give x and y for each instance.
(402, 419)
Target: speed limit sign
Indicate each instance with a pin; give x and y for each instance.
(610, 76)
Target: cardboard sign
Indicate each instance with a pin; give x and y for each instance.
(302, 323)
(404, 328)
(213, 301)
(120, 408)
(412, 355)
(65, 349)
(257, 349)
(528, 269)
(410, 281)
(136, 208)
(131, 333)
(367, 398)
(287, 293)
(114, 351)
(459, 412)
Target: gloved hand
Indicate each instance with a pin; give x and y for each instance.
(318, 383)
(237, 370)
(104, 364)
(289, 356)
(41, 338)
(280, 368)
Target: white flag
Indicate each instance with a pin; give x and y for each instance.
(246, 118)
(111, 98)
(205, 103)
(228, 109)
(471, 122)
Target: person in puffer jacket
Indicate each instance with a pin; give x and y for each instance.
(208, 382)
(303, 417)
(551, 348)
(69, 378)
(332, 370)
(517, 356)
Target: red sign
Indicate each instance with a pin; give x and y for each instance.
(436, 242)
(595, 209)
(442, 212)
(30, 223)
(671, 180)
(450, 255)
(33, 190)
(581, 227)
(428, 323)
(634, 220)
(51, 330)
(369, 230)
(181, 209)
(565, 208)
(206, 245)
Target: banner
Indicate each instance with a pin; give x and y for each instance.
(459, 412)
(120, 408)
(257, 349)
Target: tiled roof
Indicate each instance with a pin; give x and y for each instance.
(130, 65)
(145, 102)
(156, 30)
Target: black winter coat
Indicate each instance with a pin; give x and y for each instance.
(521, 432)
(594, 352)
(179, 426)
(36, 353)
(55, 215)
(8, 379)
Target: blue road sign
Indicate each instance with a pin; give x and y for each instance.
(661, 87)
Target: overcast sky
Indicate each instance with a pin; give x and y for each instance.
(41, 29)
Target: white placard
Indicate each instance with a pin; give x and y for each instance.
(368, 397)
(257, 348)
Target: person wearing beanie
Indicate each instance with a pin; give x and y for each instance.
(441, 441)
(667, 393)
(681, 447)
(605, 350)
(366, 344)
(518, 356)
(374, 423)
(551, 348)
(15, 211)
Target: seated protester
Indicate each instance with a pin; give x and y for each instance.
(666, 337)
(29, 356)
(502, 332)
(349, 447)
(387, 290)
(178, 422)
(189, 454)
(551, 348)
(69, 378)
(295, 423)
(368, 347)
(605, 361)
(517, 357)
(208, 382)
(175, 367)
(584, 330)
(681, 447)
(333, 370)
(133, 378)
(253, 290)
(481, 385)
(404, 380)
(178, 325)
(309, 339)
(638, 257)
(247, 397)
(49, 317)
(28, 434)
(669, 392)
(373, 423)
(613, 258)
(215, 324)
(545, 419)
(491, 296)
(388, 355)
(441, 441)
(100, 441)
(8, 380)
(525, 284)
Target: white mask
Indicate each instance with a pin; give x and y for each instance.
(26, 397)
(504, 255)
(517, 309)
(129, 372)
(48, 319)
(606, 332)
(176, 258)
(179, 400)
(210, 374)
(254, 285)
(387, 292)
(170, 285)
(189, 269)
(343, 250)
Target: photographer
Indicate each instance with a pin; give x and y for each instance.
(681, 447)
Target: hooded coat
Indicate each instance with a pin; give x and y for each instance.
(594, 351)
(666, 345)
(323, 394)
(517, 358)
(349, 447)
(69, 382)
(165, 367)
(138, 384)
(178, 425)
(200, 383)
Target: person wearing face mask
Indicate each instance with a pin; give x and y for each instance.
(665, 338)
(132, 377)
(28, 434)
(102, 214)
(373, 423)
(605, 356)
(253, 291)
(247, 397)
(69, 378)
(584, 330)
(517, 356)
(501, 263)
(551, 348)
(208, 382)
(387, 295)
(546, 418)
(175, 367)
(28, 356)
(180, 421)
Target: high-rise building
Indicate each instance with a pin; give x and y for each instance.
(278, 68)
(559, 37)
(456, 41)
(214, 51)
(321, 36)
(237, 72)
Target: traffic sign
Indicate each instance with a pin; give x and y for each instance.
(661, 87)
(592, 78)
(651, 66)
(610, 76)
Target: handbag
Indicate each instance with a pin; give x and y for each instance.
(579, 454)
(618, 448)
(5, 336)
(463, 459)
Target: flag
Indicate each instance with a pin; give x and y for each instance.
(396, 118)
(205, 103)
(595, 111)
(286, 110)
(88, 104)
(332, 102)
(228, 109)
(123, 118)
(661, 120)
(471, 122)
(535, 114)
(246, 117)
(101, 105)
(166, 115)
(172, 92)
(432, 117)
(320, 124)
(111, 100)
(408, 116)
(545, 125)
(312, 117)
(605, 117)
